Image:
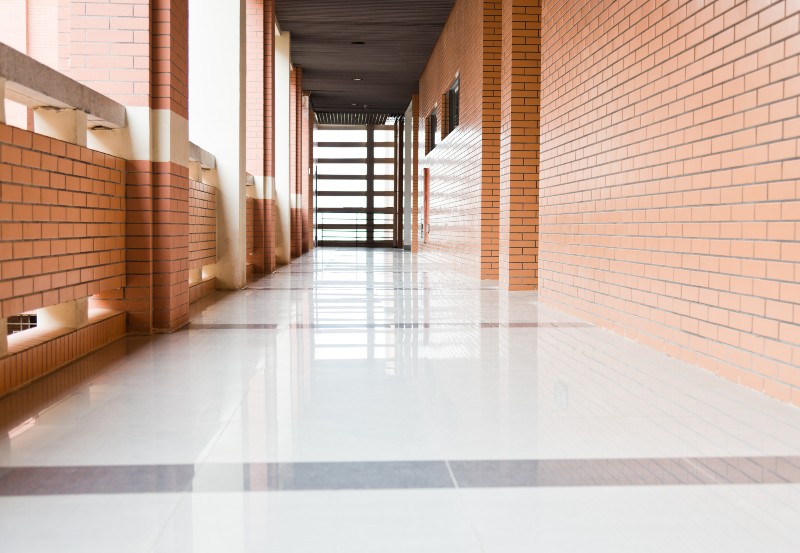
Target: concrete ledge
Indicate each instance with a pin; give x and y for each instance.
(198, 154)
(36, 85)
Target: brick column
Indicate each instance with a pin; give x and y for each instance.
(260, 29)
(490, 140)
(519, 144)
(296, 145)
(307, 188)
(136, 53)
(414, 173)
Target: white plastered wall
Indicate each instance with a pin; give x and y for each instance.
(217, 122)
(283, 189)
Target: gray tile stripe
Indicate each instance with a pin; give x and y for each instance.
(302, 326)
(263, 477)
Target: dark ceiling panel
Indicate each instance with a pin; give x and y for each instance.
(399, 36)
(361, 118)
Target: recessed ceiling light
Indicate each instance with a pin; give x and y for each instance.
(358, 78)
(354, 105)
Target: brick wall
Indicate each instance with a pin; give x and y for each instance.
(264, 234)
(108, 48)
(464, 166)
(307, 188)
(669, 192)
(203, 224)
(519, 143)
(256, 91)
(296, 141)
(62, 221)
(43, 31)
(136, 53)
(260, 121)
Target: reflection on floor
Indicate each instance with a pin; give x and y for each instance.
(370, 401)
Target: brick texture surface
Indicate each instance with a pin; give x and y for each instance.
(519, 143)
(62, 221)
(670, 193)
(260, 120)
(203, 225)
(464, 166)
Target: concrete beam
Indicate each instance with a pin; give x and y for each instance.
(2, 100)
(36, 85)
(198, 154)
(70, 314)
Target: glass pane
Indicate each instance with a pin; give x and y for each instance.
(342, 218)
(355, 186)
(384, 201)
(384, 185)
(341, 168)
(340, 135)
(382, 152)
(340, 153)
(384, 169)
(324, 202)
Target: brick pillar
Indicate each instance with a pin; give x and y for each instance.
(490, 140)
(296, 160)
(415, 173)
(136, 53)
(309, 201)
(519, 143)
(260, 29)
(305, 175)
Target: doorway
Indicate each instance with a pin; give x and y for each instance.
(355, 185)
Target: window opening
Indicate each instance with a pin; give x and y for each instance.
(453, 103)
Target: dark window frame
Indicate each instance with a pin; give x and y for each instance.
(432, 127)
(454, 104)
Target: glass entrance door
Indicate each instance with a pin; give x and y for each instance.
(355, 185)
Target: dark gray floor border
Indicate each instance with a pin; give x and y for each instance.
(389, 326)
(388, 475)
(322, 287)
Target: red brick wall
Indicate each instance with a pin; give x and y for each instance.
(203, 224)
(670, 199)
(464, 166)
(260, 33)
(519, 143)
(62, 221)
(307, 189)
(43, 31)
(256, 91)
(136, 53)
(109, 48)
(170, 55)
(170, 246)
(264, 235)
(296, 141)
(251, 227)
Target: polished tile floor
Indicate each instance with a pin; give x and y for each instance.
(371, 401)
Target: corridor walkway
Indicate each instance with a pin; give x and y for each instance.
(368, 401)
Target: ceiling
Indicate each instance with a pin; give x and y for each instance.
(398, 36)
